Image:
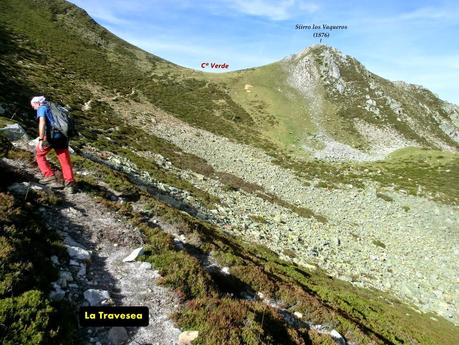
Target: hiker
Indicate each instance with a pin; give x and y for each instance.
(46, 142)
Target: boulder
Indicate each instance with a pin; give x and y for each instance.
(64, 278)
(14, 132)
(5, 146)
(96, 297)
(55, 260)
(57, 294)
(117, 335)
(82, 271)
(78, 253)
(18, 188)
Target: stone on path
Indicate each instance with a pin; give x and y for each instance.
(185, 338)
(96, 297)
(134, 254)
(117, 335)
(78, 253)
(338, 337)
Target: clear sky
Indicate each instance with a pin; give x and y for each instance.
(413, 41)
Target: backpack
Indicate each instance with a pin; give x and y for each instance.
(60, 120)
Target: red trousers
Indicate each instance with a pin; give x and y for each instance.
(64, 159)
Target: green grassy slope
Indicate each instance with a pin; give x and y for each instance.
(285, 115)
(278, 110)
(49, 60)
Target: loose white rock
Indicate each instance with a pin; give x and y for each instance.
(187, 337)
(78, 253)
(134, 254)
(298, 314)
(338, 337)
(145, 266)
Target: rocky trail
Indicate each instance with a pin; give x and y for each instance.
(97, 241)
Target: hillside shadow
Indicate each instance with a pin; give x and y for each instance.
(15, 91)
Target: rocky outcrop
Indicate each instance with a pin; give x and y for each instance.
(338, 89)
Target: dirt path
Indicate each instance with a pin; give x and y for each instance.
(110, 240)
(98, 240)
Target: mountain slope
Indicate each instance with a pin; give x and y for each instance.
(208, 155)
(65, 74)
(329, 105)
(317, 102)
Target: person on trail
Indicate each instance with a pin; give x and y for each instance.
(46, 142)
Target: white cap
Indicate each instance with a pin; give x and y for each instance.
(38, 99)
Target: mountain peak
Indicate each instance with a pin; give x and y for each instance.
(315, 50)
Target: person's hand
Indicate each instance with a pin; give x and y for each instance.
(42, 145)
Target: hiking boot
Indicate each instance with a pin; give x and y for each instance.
(70, 187)
(55, 185)
(47, 179)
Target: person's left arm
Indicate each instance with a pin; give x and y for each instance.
(41, 128)
(41, 114)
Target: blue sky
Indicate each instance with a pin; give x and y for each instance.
(413, 41)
